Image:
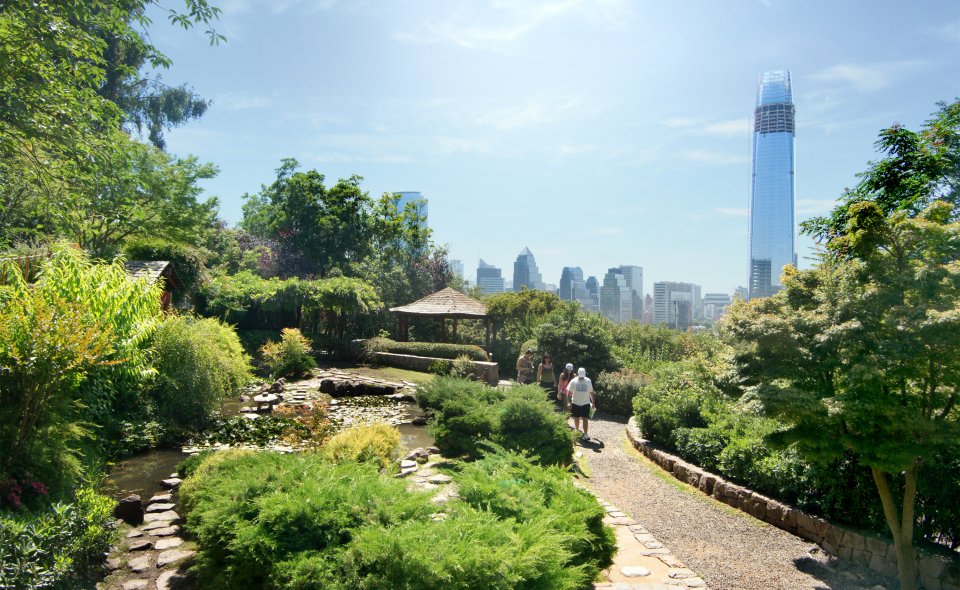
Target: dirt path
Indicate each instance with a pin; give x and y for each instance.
(727, 548)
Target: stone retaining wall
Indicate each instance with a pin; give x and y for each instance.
(487, 372)
(937, 572)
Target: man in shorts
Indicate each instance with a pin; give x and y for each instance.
(580, 395)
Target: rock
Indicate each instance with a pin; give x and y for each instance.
(172, 556)
(141, 545)
(243, 398)
(419, 455)
(419, 421)
(134, 534)
(165, 531)
(164, 544)
(161, 507)
(134, 584)
(154, 525)
(440, 478)
(113, 564)
(166, 516)
(634, 571)
(167, 580)
(140, 564)
(433, 450)
(174, 474)
(406, 464)
(407, 471)
(171, 483)
(160, 498)
(129, 510)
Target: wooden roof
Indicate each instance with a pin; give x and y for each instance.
(446, 303)
(153, 270)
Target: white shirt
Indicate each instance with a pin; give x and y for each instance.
(580, 390)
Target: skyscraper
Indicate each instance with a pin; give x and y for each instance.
(417, 199)
(489, 278)
(593, 292)
(616, 298)
(634, 276)
(525, 272)
(772, 243)
(673, 304)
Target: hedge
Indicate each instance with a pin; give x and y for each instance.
(429, 349)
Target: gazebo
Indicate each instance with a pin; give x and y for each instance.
(447, 303)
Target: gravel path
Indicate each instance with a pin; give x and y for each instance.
(729, 549)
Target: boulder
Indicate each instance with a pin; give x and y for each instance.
(129, 510)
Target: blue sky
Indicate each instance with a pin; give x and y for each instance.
(594, 132)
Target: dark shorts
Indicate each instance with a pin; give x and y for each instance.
(580, 411)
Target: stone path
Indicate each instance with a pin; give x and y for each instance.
(150, 555)
(729, 549)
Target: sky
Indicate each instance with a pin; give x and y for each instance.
(595, 132)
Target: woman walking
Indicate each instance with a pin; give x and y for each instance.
(565, 377)
(545, 374)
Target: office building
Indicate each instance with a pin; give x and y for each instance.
(593, 294)
(573, 287)
(457, 267)
(634, 277)
(616, 298)
(417, 199)
(489, 278)
(525, 272)
(715, 305)
(674, 304)
(771, 213)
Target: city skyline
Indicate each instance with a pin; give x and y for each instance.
(594, 131)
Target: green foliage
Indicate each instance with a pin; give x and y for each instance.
(188, 261)
(52, 547)
(375, 443)
(516, 317)
(439, 367)
(256, 516)
(290, 357)
(510, 486)
(572, 335)
(615, 391)
(470, 414)
(428, 349)
(189, 466)
(262, 432)
(199, 364)
(462, 367)
(677, 397)
(72, 353)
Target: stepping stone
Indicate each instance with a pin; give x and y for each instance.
(172, 556)
(406, 464)
(166, 580)
(135, 584)
(113, 564)
(161, 507)
(695, 583)
(175, 474)
(171, 483)
(142, 545)
(616, 514)
(440, 478)
(160, 498)
(166, 531)
(634, 571)
(164, 544)
(140, 564)
(134, 534)
(681, 573)
(167, 515)
(653, 545)
(154, 525)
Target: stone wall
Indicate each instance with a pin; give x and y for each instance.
(487, 372)
(937, 572)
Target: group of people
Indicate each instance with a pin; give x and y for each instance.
(575, 389)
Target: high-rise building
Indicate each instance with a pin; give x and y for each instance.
(568, 276)
(417, 199)
(715, 305)
(674, 303)
(525, 272)
(634, 277)
(771, 231)
(489, 278)
(593, 293)
(616, 298)
(647, 317)
(457, 267)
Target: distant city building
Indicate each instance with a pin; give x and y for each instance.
(525, 272)
(415, 198)
(616, 298)
(634, 277)
(674, 304)
(715, 305)
(551, 288)
(574, 288)
(741, 292)
(771, 230)
(647, 317)
(457, 267)
(593, 294)
(489, 278)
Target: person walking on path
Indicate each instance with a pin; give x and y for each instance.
(565, 377)
(546, 375)
(525, 367)
(580, 392)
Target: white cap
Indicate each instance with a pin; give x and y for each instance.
(581, 372)
(570, 366)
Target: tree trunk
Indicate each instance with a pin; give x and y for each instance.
(901, 525)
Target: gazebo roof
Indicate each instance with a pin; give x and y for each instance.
(445, 303)
(153, 270)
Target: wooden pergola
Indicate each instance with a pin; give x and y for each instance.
(445, 304)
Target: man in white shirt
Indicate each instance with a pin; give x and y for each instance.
(580, 394)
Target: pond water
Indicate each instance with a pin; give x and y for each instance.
(141, 474)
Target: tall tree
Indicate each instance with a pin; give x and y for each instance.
(862, 353)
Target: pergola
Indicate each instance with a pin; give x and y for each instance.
(444, 304)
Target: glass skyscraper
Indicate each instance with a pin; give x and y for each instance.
(525, 272)
(772, 242)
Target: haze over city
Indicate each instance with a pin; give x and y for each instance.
(595, 132)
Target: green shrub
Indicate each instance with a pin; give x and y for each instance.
(439, 367)
(462, 368)
(53, 547)
(290, 357)
(253, 340)
(525, 421)
(433, 395)
(188, 262)
(375, 443)
(510, 486)
(615, 391)
(677, 397)
(189, 466)
(199, 363)
(572, 335)
(428, 349)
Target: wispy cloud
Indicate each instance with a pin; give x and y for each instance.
(868, 77)
(723, 128)
(498, 23)
(949, 31)
(713, 158)
(534, 113)
(239, 101)
(731, 211)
